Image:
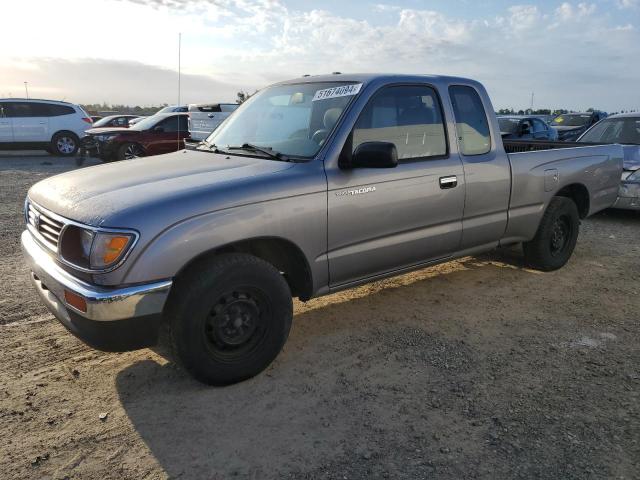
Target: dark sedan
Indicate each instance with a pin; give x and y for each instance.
(571, 125)
(525, 128)
(155, 135)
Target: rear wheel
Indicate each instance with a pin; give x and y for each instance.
(64, 144)
(229, 318)
(556, 237)
(129, 151)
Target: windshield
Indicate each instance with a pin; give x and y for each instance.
(571, 120)
(103, 121)
(508, 125)
(615, 130)
(294, 120)
(147, 123)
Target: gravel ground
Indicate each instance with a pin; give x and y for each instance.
(478, 368)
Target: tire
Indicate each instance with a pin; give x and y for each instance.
(229, 317)
(130, 151)
(65, 144)
(556, 237)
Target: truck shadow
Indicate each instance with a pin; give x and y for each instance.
(341, 384)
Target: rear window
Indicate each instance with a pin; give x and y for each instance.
(472, 126)
(57, 110)
(205, 108)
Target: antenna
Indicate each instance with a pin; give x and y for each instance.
(179, 86)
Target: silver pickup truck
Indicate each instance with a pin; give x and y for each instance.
(312, 186)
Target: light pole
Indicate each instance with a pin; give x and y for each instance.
(26, 88)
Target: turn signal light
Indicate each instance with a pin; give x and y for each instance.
(114, 249)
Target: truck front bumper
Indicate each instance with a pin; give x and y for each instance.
(109, 319)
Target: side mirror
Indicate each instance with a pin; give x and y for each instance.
(158, 129)
(375, 155)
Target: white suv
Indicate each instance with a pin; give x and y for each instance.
(56, 127)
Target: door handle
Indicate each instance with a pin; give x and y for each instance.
(211, 115)
(42, 123)
(449, 181)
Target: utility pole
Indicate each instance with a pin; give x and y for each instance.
(179, 64)
(26, 88)
(532, 95)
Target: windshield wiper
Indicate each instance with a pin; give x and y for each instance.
(266, 150)
(209, 146)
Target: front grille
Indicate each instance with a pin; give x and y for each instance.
(47, 227)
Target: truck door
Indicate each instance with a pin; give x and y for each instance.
(30, 121)
(6, 132)
(381, 220)
(486, 167)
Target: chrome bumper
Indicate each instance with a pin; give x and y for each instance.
(103, 304)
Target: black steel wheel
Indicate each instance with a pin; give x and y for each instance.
(229, 317)
(556, 237)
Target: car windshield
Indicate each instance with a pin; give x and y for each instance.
(624, 130)
(147, 123)
(508, 125)
(294, 119)
(571, 120)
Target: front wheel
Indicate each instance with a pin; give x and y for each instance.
(229, 318)
(130, 151)
(556, 237)
(64, 144)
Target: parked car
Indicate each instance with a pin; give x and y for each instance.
(95, 118)
(312, 186)
(160, 133)
(30, 124)
(114, 121)
(133, 121)
(173, 109)
(623, 129)
(571, 125)
(205, 118)
(527, 127)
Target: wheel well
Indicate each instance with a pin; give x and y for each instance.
(579, 194)
(68, 132)
(281, 253)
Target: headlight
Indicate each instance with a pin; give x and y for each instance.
(105, 138)
(634, 177)
(94, 250)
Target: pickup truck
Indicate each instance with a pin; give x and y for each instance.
(313, 185)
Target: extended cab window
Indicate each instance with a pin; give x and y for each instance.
(472, 126)
(410, 117)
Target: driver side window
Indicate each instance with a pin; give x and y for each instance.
(410, 117)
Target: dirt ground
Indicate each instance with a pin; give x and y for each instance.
(478, 368)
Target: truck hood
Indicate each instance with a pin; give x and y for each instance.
(163, 185)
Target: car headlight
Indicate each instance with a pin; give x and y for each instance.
(94, 249)
(105, 138)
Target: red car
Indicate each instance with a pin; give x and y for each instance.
(155, 135)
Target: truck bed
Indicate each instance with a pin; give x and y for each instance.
(517, 146)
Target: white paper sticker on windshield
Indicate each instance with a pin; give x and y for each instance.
(334, 92)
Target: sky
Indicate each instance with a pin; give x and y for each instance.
(569, 54)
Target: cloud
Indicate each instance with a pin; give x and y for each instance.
(91, 80)
(627, 4)
(560, 51)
